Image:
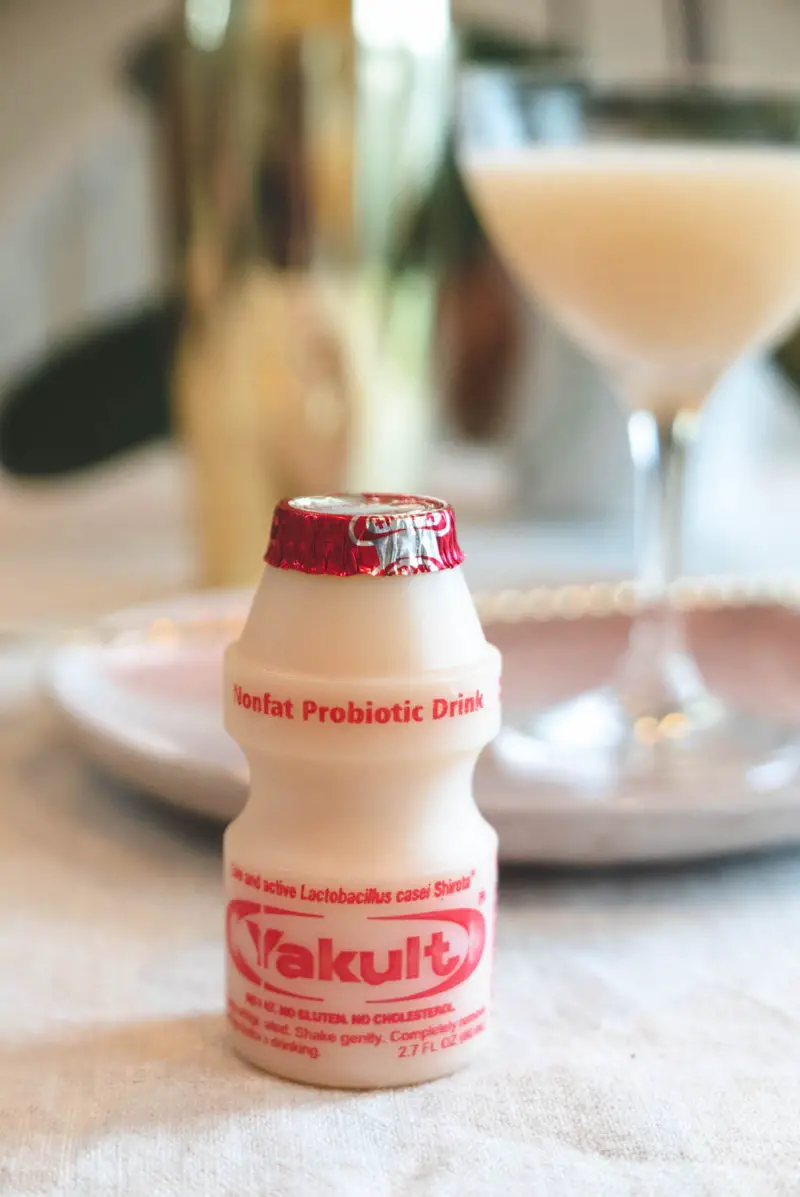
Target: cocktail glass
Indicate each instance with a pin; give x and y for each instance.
(660, 226)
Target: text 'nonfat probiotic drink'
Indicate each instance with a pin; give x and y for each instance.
(361, 876)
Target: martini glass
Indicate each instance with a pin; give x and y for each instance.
(660, 225)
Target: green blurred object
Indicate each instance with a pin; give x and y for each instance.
(703, 112)
(95, 398)
(788, 358)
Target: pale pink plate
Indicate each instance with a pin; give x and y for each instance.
(141, 696)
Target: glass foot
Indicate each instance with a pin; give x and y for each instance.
(591, 748)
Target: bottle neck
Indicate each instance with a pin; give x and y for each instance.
(362, 628)
(344, 805)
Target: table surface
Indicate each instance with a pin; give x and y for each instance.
(646, 1032)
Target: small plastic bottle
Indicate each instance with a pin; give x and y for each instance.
(361, 876)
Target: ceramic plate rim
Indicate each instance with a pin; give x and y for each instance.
(164, 772)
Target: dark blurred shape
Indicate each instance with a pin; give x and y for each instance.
(94, 398)
(477, 336)
(703, 112)
(691, 31)
(788, 358)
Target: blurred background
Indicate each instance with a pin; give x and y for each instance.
(237, 261)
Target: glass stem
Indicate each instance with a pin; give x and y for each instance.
(658, 675)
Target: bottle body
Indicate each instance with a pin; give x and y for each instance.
(361, 876)
(371, 971)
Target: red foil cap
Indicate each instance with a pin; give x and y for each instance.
(382, 535)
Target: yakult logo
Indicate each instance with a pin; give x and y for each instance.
(405, 544)
(427, 954)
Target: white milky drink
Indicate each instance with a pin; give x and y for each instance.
(666, 262)
(361, 876)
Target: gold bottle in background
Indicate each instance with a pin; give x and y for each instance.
(308, 133)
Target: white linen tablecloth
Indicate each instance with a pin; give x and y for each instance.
(647, 1034)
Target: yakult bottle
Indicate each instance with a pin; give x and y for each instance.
(361, 876)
